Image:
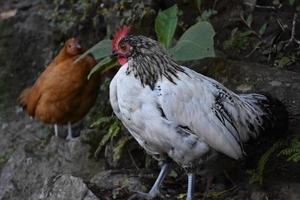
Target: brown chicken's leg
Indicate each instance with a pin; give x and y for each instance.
(55, 130)
(69, 136)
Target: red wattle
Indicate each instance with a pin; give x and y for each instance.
(122, 60)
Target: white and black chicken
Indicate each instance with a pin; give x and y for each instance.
(175, 112)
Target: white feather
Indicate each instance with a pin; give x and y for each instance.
(157, 118)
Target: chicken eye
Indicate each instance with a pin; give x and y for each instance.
(123, 47)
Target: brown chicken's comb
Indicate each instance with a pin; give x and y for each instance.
(118, 35)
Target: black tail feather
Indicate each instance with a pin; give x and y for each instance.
(277, 123)
(275, 129)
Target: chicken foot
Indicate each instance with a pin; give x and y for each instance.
(154, 192)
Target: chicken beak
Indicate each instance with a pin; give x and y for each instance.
(78, 46)
(114, 53)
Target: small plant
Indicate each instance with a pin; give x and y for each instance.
(205, 14)
(257, 175)
(112, 132)
(196, 43)
(243, 38)
(238, 40)
(292, 152)
(110, 127)
(286, 58)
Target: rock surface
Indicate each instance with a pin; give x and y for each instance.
(66, 187)
(112, 179)
(33, 163)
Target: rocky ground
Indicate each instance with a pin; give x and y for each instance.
(35, 165)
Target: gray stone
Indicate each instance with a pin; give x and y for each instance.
(66, 187)
(26, 171)
(258, 195)
(288, 191)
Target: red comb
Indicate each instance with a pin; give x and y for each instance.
(118, 35)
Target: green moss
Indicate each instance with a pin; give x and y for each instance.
(286, 59)
(3, 160)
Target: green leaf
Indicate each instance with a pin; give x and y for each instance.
(112, 132)
(249, 20)
(165, 25)
(101, 120)
(196, 43)
(118, 148)
(104, 65)
(292, 151)
(173, 174)
(100, 50)
(262, 29)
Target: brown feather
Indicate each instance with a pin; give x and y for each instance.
(62, 92)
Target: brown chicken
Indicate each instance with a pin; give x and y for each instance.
(62, 94)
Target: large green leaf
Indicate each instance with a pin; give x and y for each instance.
(165, 25)
(100, 50)
(196, 43)
(103, 66)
